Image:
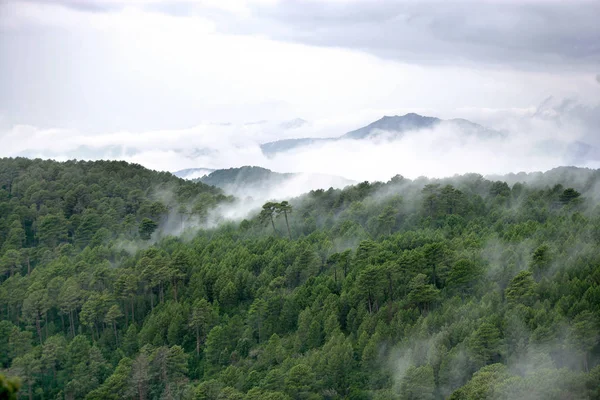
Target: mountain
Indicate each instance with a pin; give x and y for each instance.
(257, 182)
(246, 176)
(400, 124)
(118, 282)
(396, 125)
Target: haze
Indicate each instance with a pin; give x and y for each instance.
(201, 84)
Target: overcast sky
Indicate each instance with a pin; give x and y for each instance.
(93, 72)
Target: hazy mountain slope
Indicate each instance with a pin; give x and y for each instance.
(260, 182)
(396, 125)
(118, 282)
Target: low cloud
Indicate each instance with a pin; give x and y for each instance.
(558, 132)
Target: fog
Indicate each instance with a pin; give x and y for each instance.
(557, 133)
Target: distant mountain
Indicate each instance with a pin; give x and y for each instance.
(257, 182)
(400, 124)
(192, 173)
(246, 176)
(395, 125)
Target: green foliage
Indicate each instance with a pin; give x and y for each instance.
(9, 388)
(418, 383)
(425, 289)
(147, 228)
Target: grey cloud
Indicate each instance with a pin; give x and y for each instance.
(528, 33)
(84, 5)
(497, 32)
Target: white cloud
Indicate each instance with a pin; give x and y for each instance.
(538, 139)
(134, 68)
(145, 81)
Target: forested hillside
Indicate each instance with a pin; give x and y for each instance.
(461, 288)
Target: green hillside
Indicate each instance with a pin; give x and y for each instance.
(460, 288)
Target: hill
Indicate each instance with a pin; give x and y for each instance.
(257, 182)
(460, 288)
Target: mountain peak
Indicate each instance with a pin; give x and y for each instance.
(396, 123)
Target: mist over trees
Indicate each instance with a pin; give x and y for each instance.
(461, 288)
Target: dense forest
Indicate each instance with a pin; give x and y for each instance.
(117, 282)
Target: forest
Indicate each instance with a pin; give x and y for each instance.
(119, 282)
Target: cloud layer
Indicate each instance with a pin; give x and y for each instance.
(559, 132)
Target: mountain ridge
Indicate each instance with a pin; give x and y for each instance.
(398, 124)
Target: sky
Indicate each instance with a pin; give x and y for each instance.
(182, 84)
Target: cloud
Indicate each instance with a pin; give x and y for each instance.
(152, 65)
(530, 33)
(558, 132)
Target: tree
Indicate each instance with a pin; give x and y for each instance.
(369, 283)
(15, 238)
(422, 294)
(28, 368)
(418, 383)
(462, 276)
(569, 195)
(299, 380)
(35, 307)
(201, 317)
(269, 209)
(10, 262)
(52, 230)
(170, 367)
(387, 219)
(285, 208)
(485, 344)
(483, 383)
(521, 289)
(116, 386)
(147, 228)
(183, 212)
(69, 300)
(53, 353)
(338, 361)
(257, 315)
(583, 335)
(434, 255)
(113, 313)
(140, 376)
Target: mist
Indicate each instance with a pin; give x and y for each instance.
(557, 133)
